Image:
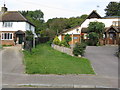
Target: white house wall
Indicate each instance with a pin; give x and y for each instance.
(30, 27)
(107, 22)
(15, 27)
(18, 26)
(74, 31)
(60, 37)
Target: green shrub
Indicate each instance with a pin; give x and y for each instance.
(49, 42)
(56, 41)
(64, 43)
(79, 49)
(29, 35)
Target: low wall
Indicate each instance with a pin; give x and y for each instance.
(63, 49)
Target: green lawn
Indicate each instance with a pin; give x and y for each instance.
(46, 60)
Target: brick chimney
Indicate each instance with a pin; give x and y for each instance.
(3, 9)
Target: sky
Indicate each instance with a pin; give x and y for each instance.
(58, 8)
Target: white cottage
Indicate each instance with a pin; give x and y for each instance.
(13, 26)
(111, 32)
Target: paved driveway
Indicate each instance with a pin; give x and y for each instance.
(103, 60)
(12, 60)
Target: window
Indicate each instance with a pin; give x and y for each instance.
(7, 24)
(7, 36)
(115, 23)
(77, 30)
(75, 37)
(29, 27)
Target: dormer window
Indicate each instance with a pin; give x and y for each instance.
(77, 30)
(115, 23)
(7, 24)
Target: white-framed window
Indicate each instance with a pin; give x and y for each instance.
(115, 23)
(29, 27)
(7, 24)
(75, 37)
(6, 36)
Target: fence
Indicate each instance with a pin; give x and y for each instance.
(41, 40)
(28, 45)
(63, 49)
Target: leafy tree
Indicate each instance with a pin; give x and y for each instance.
(95, 32)
(36, 17)
(97, 27)
(59, 24)
(67, 38)
(93, 38)
(113, 9)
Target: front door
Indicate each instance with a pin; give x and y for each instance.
(19, 38)
(112, 38)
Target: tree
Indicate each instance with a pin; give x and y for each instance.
(59, 24)
(95, 32)
(93, 38)
(97, 27)
(36, 17)
(113, 9)
(67, 38)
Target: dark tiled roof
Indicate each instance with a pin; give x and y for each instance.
(107, 17)
(13, 16)
(93, 14)
(117, 28)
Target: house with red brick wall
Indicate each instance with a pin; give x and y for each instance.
(13, 26)
(111, 30)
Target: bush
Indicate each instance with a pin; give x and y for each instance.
(93, 39)
(49, 42)
(56, 41)
(29, 35)
(79, 49)
(64, 43)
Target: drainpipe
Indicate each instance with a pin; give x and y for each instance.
(72, 38)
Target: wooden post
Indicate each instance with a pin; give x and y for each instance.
(72, 38)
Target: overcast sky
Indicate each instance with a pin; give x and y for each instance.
(58, 8)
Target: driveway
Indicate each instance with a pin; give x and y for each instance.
(13, 71)
(103, 60)
(12, 61)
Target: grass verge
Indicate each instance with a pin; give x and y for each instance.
(46, 60)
